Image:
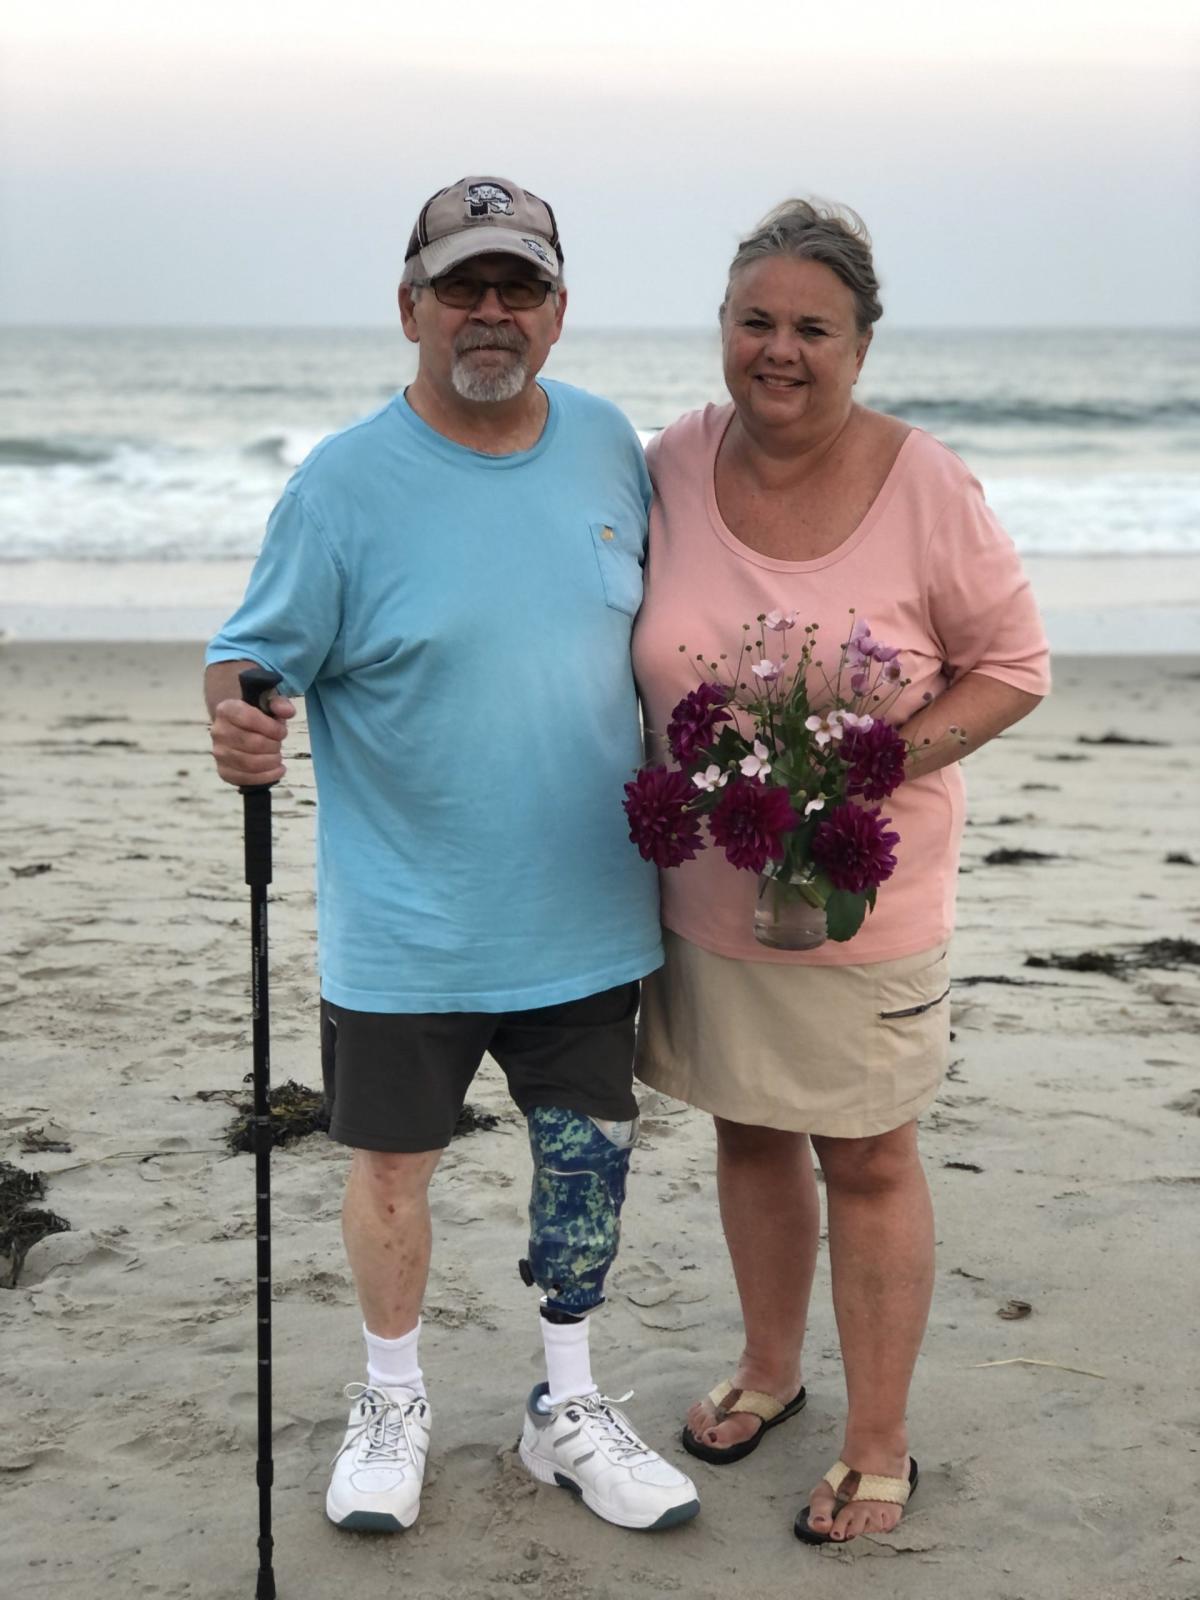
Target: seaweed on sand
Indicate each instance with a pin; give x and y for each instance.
(472, 1121)
(1016, 858)
(22, 1225)
(1168, 954)
(296, 1111)
(1122, 738)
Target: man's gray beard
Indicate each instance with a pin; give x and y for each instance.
(488, 386)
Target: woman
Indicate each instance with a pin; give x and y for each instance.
(795, 499)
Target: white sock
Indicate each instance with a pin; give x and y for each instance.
(393, 1363)
(568, 1362)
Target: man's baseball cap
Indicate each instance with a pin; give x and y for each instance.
(476, 216)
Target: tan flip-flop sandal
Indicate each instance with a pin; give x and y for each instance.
(849, 1485)
(728, 1401)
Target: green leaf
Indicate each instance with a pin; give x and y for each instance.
(844, 913)
(801, 837)
(728, 747)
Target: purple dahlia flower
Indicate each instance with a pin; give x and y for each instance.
(875, 758)
(854, 849)
(694, 720)
(749, 822)
(660, 824)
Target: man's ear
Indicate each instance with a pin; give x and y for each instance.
(406, 295)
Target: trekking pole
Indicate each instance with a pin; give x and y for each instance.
(258, 685)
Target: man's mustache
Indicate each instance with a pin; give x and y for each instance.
(490, 339)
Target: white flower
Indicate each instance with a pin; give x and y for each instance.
(756, 765)
(815, 805)
(826, 728)
(780, 621)
(767, 670)
(849, 720)
(711, 778)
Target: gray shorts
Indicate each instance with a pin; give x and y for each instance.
(397, 1080)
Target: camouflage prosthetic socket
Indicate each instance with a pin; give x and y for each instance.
(579, 1170)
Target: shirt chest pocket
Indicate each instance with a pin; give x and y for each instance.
(618, 555)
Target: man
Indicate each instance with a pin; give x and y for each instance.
(451, 584)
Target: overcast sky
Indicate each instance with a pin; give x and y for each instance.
(1032, 162)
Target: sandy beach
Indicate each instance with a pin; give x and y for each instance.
(1058, 1450)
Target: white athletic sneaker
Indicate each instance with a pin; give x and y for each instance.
(377, 1474)
(589, 1447)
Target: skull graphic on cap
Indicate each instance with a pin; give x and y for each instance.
(485, 199)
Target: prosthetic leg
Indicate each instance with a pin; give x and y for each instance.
(579, 1169)
(584, 1443)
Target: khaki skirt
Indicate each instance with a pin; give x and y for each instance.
(847, 1051)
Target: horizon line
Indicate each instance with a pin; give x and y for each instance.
(40, 325)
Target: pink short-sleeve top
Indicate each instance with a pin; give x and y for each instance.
(929, 568)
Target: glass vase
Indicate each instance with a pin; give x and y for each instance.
(785, 918)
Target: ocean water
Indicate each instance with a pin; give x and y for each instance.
(172, 445)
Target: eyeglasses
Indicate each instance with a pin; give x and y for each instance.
(464, 292)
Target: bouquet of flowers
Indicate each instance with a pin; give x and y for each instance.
(796, 797)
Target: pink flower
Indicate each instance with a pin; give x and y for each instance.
(660, 824)
(766, 670)
(780, 621)
(858, 645)
(854, 849)
(861, 648)
(695, 719)
(875, 756)
(749, 822)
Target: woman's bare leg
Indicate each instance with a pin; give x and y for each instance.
(771, 1215)
(881, 1257)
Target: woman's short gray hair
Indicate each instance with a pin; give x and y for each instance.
(807, 230)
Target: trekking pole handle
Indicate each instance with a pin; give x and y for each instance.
(258, 685)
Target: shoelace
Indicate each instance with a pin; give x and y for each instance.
(616, 1430)
(385, 1425)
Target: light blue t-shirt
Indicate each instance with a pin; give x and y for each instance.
(459, 626)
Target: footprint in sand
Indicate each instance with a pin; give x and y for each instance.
(660, 1298)
(82, 1255)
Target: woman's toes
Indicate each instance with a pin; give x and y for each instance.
(848, 1524)
(734, 1430)
(703, 1425)
(865, 1516)
(820, 1509)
